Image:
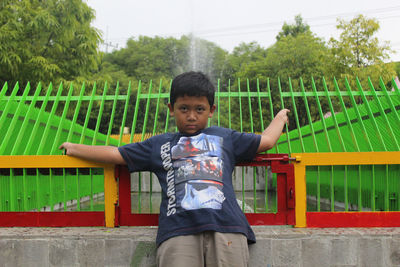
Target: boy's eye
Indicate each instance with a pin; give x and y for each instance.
(200, 109)
(183, 109)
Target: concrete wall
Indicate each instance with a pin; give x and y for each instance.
(134, 246)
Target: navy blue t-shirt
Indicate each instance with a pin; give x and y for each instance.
(195, 174)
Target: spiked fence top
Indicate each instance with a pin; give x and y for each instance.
(326, 116)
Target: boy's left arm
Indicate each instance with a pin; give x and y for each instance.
(272, 133)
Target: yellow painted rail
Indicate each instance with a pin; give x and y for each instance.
(110, 184)
(302, 160)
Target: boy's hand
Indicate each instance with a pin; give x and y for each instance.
(283, 115)
(65, 146)
(273, 131)
(105, 154)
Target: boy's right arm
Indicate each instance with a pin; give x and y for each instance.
(270, 136)
(104, 154)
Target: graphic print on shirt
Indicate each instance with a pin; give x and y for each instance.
(197, 161)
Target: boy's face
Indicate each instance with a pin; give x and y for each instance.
(191, 113)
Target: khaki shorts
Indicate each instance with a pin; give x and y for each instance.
(204, 249)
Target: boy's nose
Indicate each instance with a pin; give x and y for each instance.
(191, 116)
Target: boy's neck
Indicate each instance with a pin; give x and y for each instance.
(193, 134)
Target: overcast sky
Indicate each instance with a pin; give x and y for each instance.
(228, 23)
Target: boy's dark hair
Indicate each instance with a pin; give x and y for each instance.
(192, 84)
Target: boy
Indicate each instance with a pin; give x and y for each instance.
(200, 222)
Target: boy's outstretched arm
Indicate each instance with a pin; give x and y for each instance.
(272, 133)
(104, 154)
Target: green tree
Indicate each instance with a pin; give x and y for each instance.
(358, 52)
(397, 68)
(297, 53)
(46, 40)
(147, 58)
(293, 29)
(292, 57)
(242, 55)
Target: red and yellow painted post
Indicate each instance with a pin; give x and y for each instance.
(302, 160)
(58, 161)
(301, 192)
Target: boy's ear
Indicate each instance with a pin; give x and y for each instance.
(171, 109)
(212, 109)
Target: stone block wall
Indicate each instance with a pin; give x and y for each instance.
(134, 246)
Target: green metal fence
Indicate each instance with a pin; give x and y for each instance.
(364, 120)
(52, 189)
(353, 188)
(325, 117)
(36, 123)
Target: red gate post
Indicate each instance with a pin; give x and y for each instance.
(124, 209)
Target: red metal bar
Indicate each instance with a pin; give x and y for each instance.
(124, 208)
(285, 172)
(353, 219)
(52, 219)
(124, 195)
(265, 160)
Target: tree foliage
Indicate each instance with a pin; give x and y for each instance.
(293, 29)
(242, 56)
(148, 58)
(295, 57)
(46, 40)
(358, 52)
(397, 68)
(292, 57)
